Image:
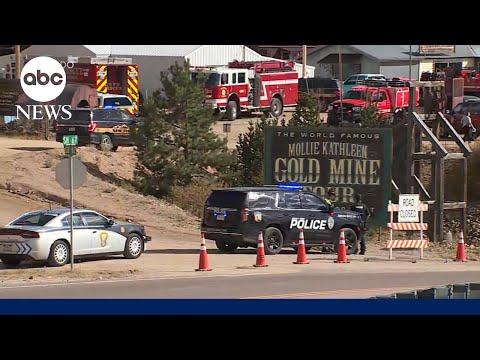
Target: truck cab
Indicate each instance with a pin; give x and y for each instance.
(387, 96)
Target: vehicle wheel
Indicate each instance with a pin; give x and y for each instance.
(276, 107)
(11, 262)
(232, 110)
(225, 246)
(351, 242)
(115, 148)
(59, 253)
(322, 106)
(273, 241)
(133, 246)
(106, 143)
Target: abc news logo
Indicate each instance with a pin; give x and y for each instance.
(43, 79)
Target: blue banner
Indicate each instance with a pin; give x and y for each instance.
(237, 307)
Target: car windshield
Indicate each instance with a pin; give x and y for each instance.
(456, 109)
(38, 218)
(358, 95)
(376, 77)
(212, 79)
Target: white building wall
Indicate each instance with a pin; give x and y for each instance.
(149, 68)
(223, 54)
(309, 70)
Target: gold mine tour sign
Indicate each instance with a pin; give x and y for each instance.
(350, 160)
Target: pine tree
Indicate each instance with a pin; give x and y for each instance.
(371, 117)
(307, 112)
(176, 143)
(250, 151)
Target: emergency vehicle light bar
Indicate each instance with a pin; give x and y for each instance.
(290, 186)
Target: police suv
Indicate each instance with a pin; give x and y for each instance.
(233, 217)
(106, 128)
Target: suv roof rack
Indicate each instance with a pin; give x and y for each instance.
(383, 83)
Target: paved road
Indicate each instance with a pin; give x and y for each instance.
(298, 285)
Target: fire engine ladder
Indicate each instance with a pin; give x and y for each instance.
(417, 132)
(263, 66)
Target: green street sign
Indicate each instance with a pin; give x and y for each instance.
(70, 150)
(70, 140)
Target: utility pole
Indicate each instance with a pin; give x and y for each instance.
(410, 64)
(243, 53)
(304, 57)
(340, 75)
(17, 62)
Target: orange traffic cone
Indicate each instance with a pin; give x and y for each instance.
(203, 262)
(261, 261)
(301, 252)
(461, 255)
(342, 249)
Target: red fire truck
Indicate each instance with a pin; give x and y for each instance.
(389, 97)
(267, 86)
(106, 76)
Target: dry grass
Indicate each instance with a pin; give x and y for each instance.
(64, 273)
(192, 197)
(449, 251)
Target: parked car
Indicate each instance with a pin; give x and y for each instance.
(325, 90)
(44, 235)
(470, 98)
(455, 116)
(115, 101)
(233, 217)
(106, 128)
(358, 79)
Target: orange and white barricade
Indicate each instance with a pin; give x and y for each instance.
(407, 226)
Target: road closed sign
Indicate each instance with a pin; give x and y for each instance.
(408, 207)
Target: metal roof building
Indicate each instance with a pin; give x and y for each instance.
(153, 59)
(390, 60)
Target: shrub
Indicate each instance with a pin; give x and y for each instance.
(192, 197)
(370, 117)
(307, 112)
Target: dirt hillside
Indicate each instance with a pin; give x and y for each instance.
(28, 168)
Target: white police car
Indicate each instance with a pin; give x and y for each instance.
(44, 235)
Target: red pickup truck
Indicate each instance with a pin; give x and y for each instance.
(389, 97)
